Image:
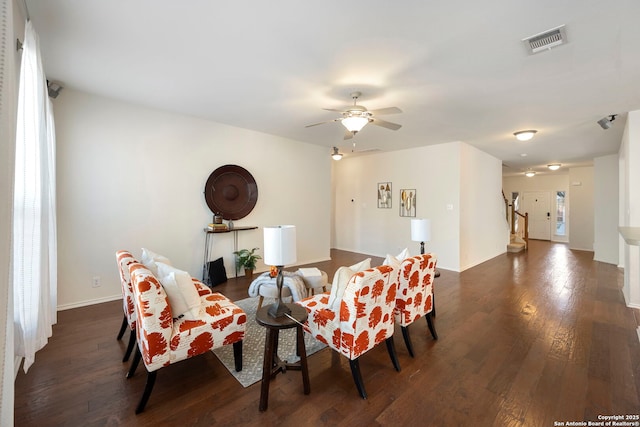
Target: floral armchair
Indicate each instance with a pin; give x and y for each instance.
(415, 294)
(163, 341)
(124, 258)
(358, 321)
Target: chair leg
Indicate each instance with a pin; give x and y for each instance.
(134, 365)
(391, 348)
(237, 355)
(132, 342)
(260, 302)
(151, 380)
(433, 300)
(407, 339)
(357, 377)
(436, 274)
(432, 328)
(123, 327)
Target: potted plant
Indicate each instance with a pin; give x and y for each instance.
(247, 259)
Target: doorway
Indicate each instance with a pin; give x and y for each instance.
(538, 205)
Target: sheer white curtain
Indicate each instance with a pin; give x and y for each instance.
(34, 207)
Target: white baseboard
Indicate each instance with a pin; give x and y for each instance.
(89, 302)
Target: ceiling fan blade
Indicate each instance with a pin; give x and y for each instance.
(333, 109)
(348, 135)
(321, 123)
(385, 124)
(390, 110)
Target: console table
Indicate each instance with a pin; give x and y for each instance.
(207, 245)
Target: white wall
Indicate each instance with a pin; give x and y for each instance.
(631, 212)
(629, 215)
(606, 237)
(552, 182)
(484, 233)
(435, 173)
(581, 214)
(132, 177)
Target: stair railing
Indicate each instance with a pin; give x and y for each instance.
(521, 227)
(518, 222)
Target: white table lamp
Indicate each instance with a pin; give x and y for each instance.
(421, 232)
(279, 250)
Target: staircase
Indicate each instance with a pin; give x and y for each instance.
(516, 244)
(519, 225)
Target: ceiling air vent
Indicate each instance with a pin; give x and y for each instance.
(546, 40)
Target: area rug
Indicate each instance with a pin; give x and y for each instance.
(253, 346)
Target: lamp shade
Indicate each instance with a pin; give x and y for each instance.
(420, 230)
(354, 123)
(280, 245)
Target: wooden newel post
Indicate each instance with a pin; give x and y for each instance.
(513, 219)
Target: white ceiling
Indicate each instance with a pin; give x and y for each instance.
(458, 69)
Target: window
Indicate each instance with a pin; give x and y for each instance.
(561, 228)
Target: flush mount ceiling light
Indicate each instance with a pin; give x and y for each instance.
(525, 135)
(529, 174)
(554, 166)
(336, 155)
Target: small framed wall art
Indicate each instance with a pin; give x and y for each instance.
(384, 195)
(408, 202)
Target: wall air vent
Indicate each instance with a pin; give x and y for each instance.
(546, 40)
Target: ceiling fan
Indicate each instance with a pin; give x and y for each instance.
(355, 117)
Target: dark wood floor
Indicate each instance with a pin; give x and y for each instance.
(525, 340)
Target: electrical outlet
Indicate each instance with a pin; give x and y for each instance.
(95, 282)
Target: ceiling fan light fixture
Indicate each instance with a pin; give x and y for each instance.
(529, 174)
(336, 155)
(554, 166)
(354, 123)
(525, 135)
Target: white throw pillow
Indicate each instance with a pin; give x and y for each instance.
(183, 295)
(341, 279)
(395, 261)
(362, 265)
(150, 258)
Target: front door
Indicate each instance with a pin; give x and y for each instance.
(538, 205)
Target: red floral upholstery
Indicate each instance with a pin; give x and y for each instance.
(365, 318)
(415, 294)
(124, 259)
(162, 342)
